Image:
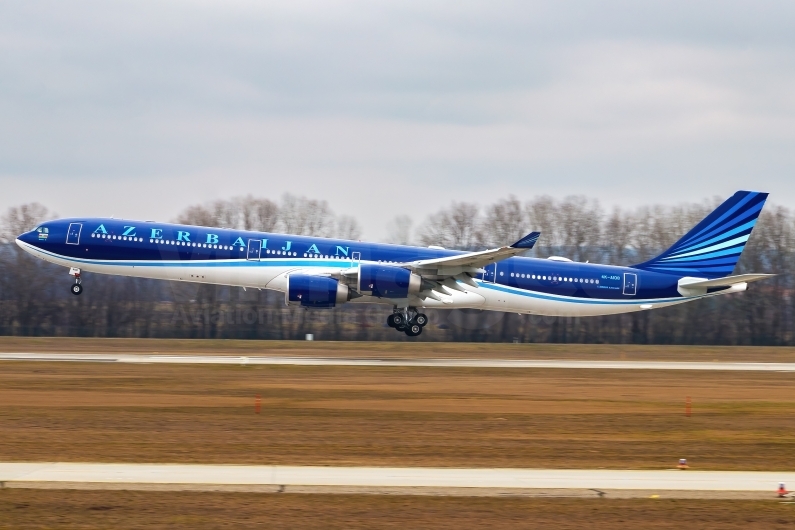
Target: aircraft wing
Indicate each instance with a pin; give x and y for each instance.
(441, 275)
(476, 260)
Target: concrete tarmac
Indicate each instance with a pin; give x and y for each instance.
(404, 362)
(437, 481)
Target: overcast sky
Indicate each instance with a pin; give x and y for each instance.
(138, 109)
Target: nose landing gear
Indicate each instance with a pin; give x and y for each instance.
(77, 287)
(408, 320)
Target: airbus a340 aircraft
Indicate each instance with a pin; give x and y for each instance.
(323, 273)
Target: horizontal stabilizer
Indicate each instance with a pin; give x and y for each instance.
(727, 281)
(689, 286)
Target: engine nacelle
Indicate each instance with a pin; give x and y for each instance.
(387, 281)
(315, 291)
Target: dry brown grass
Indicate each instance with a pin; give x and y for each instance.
(395, 416)
(40, 509)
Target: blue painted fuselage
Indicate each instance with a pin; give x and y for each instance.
(264, 260)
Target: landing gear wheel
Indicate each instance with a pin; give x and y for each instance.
(77, 289)
(412, 330)
(421, 319)
(390, 321)
(398, 320)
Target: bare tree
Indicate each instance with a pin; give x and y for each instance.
(201, 215)
(399, 230)
(455, 227)
(295, 215)
(579, 227)
(20, 219)
(541, 213)
(504, 223)
(243, 213)
(258, 214)
(306, 217)
(348, 228)
(617, 236)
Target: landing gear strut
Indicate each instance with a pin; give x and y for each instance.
(77, 287)
(407, 320)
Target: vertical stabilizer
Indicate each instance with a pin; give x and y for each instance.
(712, 249)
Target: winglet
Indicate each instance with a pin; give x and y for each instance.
(527, 241)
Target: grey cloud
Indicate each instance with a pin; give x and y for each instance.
(624, 101)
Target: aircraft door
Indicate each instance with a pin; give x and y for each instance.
(630, 283)
(355, 258)
(254, 249)
(73, 234)
(490, 274)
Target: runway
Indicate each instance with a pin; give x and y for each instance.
(401, 362)
(181, 476)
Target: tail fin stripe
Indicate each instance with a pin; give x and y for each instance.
(745, 200)
(748, 213)
(692, 269)
(718, 246)
(717, 254)
(722, 237)
(715, 272)
(742, 228)
(721, 260)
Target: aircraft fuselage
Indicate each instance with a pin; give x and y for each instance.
(265, 260)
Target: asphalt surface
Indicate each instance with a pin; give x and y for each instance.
(600, 479)
(410, 362)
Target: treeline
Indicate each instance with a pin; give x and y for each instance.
(34, 299)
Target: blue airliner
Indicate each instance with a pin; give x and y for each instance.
(323, 273)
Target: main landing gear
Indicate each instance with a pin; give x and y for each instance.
(77, 287)
(408, 321)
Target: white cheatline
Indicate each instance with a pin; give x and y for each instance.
(440, 363)
(394, 477)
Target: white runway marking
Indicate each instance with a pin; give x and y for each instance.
(394, 477)
(427, 363)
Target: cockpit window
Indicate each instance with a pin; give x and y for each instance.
(44, 232)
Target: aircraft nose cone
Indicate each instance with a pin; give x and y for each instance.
(28, 237)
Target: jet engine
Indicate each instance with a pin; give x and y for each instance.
(315, 291)
(387, 281)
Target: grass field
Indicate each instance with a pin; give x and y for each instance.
(398, 416)
(44, 509)
(395, 416)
